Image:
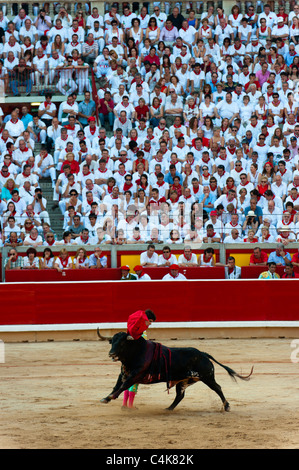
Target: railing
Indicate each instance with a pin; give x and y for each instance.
(32, 7)
(59, 82)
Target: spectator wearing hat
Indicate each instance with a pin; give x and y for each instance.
(285, 235)
(126, 275)
(250, 222)
(141, 274)
(280, 30)
(174, 274)
(91, 131)
(253, 207)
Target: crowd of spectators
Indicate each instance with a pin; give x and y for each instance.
(191, 137)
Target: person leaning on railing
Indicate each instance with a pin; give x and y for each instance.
(21, 76)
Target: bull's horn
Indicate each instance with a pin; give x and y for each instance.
(103, 338)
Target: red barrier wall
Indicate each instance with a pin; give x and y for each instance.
(100, 302)
(114, 274)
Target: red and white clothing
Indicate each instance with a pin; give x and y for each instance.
(64, 263)
(15, 128)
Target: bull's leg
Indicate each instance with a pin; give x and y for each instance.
(116, 387)
(124, 382)
(180, 393)
(211, 382)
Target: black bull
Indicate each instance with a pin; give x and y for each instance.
(145, 362)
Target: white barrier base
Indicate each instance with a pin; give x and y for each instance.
(158, 325)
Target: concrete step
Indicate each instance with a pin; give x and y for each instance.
(55, 216)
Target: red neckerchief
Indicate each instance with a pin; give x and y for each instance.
(285, 223)
(64, 262)
(127, 186)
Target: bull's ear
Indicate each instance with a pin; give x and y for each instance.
(130, 338)
(110, 341)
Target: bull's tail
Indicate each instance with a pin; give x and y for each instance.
(230, 371)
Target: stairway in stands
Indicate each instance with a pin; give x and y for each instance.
(56, 217)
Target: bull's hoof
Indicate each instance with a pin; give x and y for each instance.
(226, 407)
(105, 400)
(169, 409)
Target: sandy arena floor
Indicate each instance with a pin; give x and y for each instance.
(50, 396)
